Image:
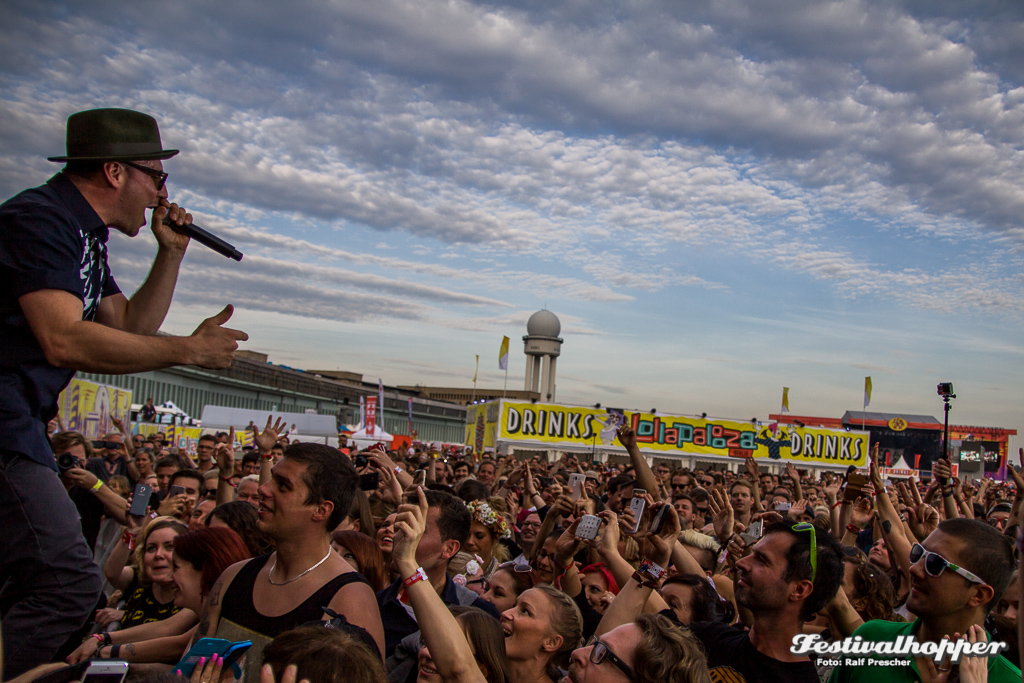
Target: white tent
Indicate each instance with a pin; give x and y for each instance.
(899, 470)
(219, 417)
(362, 439)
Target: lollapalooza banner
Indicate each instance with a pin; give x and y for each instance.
(659, 434)
(88, 407)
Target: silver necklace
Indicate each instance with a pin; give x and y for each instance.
(295, 578)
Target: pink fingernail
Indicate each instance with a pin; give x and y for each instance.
(202, 660)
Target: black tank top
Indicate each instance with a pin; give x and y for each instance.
(237, 604)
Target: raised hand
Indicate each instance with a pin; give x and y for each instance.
(567, 545)
(659, 546)
(265, 441)
(724, 519)
(410, 526)
(752, 470)
(627, 437)
(942, 469)
(225, 455)
(862, 513)
(923, 520)
(607, 544)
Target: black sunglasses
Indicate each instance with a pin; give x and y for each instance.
(159, 176)
(601, 652)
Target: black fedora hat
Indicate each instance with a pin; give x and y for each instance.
(113, 135)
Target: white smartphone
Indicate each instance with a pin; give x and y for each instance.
(576, 485)
(105, 671)
(588, 526)
(637, 505)
(753, 533)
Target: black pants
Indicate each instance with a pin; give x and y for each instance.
(50, 582)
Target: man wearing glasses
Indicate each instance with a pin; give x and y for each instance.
(957, 575)
(114, 461)
(62, 311)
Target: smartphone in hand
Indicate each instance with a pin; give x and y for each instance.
(576, 485)
(658, 523)
(140, 500)
(637, 505)
(588, 526)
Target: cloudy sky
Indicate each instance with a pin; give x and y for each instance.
(717, 199)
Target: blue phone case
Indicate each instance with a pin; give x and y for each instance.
(207, 647)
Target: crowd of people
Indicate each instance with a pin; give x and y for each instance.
(480, 567)
(337, 564)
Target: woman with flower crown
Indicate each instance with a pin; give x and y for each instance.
(489, 528)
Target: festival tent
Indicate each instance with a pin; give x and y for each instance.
(360, 438)
(302, 426)
(899, 470)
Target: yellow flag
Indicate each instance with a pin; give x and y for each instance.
(785, 399)
(477, 369)
(503, 354)
(867, 391)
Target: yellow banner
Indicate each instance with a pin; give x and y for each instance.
(187, 438)
(668, 434)
(481, 426)
(88, 407)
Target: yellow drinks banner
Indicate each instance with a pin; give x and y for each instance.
(88, 407)
(667, 434)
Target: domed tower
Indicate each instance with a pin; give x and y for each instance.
(542, 348)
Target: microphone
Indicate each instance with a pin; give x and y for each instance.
(207, 239)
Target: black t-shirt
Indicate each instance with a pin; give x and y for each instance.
(732, 658)
(101, 468)
(50, 238)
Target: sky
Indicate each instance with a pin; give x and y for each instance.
(717, 199)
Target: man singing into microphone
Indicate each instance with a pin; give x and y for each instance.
(61, 311)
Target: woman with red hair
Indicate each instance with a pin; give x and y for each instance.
(599, 586)
(200, 557)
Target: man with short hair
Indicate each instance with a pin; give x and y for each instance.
(741, 495)
(681, 483)
(958, 575)
(485, 473)
(460, 471)
(276, 453)
(180, 506)
(310, 492)
(114, 460)
(165, 469)
(251, 462)
(204, 453)
(782, 588)
(685, 507)
(60, 312)
(447, 528)
(620, 490)
(652, 649)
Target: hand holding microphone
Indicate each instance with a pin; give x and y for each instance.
(204, 237)
(207, 239)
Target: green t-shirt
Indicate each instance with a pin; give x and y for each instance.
(1000, 670)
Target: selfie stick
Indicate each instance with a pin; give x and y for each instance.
(207, 239)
